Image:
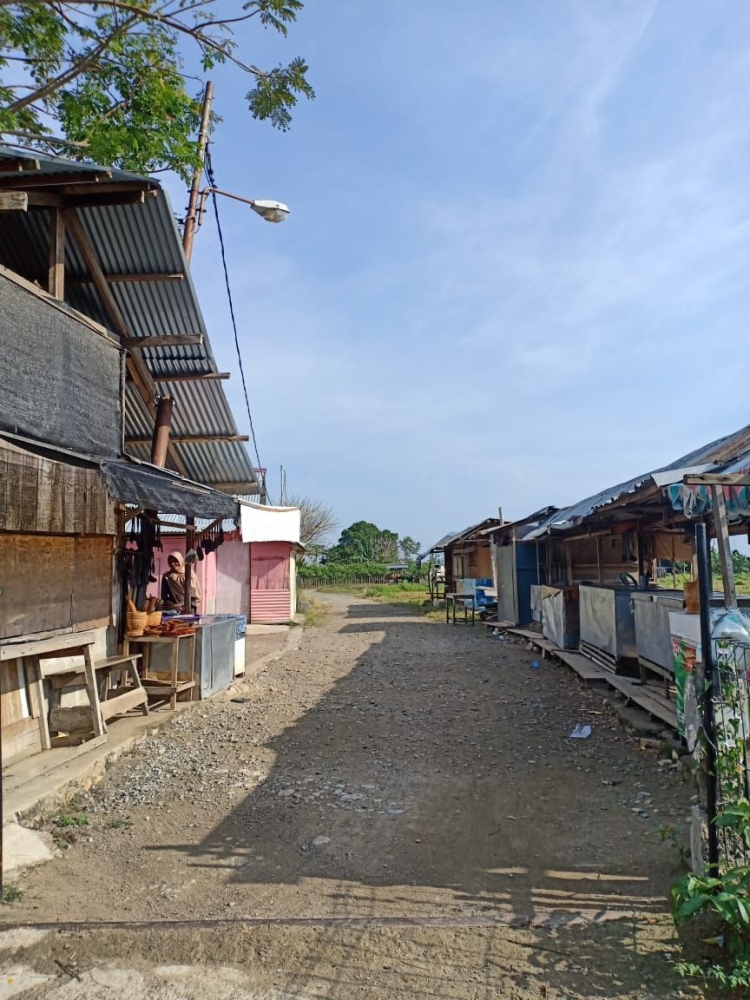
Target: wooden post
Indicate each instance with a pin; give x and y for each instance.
(99, 725)
(56, 279)
(191, 220)
(721, 529)
(189, 544)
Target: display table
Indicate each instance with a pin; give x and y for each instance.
(168, 683)
(466, 601)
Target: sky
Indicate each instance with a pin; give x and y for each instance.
(515, 270)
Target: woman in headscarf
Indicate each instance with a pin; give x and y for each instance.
(173, 585)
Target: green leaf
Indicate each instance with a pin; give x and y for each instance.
(112, 80)
(692, 905)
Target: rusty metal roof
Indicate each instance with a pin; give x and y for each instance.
(138, 239)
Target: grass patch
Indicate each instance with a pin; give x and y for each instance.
(12, 894)
(410, 595)
(315, 615)
(71, 819)
(742, 582)
(117, 824)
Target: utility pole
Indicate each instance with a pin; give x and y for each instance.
(191, 220)
(191, 224)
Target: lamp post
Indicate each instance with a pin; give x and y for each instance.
(271, 211)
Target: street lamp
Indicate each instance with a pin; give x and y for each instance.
(271, 211)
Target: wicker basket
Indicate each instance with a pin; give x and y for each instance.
(136, 622)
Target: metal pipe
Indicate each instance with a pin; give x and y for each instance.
(162, 425)
(706, 693)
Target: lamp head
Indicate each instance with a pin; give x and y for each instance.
(271, 211)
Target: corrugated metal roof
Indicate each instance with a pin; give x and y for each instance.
(723, 450)
(139, 239)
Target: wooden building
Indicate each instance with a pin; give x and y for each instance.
(95, 298)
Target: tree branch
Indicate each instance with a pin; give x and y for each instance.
(75, 71)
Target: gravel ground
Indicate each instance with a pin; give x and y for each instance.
(390, 770)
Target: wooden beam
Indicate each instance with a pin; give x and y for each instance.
(194, 439)
(14, 201)
(56, 275)
(135, 364)
(721, 530)
(190, 377)
(116, 279)
(178, 340)
(46, 199)
(16, 164)
(718, 479)
(26, 180)
(250, 489)
(80, 188)
(95, 200)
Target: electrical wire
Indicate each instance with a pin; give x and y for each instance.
(212, 183)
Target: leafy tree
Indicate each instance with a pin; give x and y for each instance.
(105, 79)
(409, 548)
(365, 542)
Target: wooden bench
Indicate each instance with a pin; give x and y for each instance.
(112, 685)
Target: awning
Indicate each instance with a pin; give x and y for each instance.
(269, 524)
(139, 483)
(158, 489)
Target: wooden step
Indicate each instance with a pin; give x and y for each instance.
(586, 669)
(119, 704)
(115, 661)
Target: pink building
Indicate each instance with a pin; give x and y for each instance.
(270, 536)
(254, 573)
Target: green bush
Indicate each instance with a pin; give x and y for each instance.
(725, 899)
(341, 572)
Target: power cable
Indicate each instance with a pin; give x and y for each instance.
(212, 183)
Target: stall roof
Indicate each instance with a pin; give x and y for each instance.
(529, 522)
(474, 530)
(131, 227)
(711, 456)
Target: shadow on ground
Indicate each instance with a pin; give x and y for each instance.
(436, 780)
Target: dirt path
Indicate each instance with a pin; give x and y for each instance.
(390, 770)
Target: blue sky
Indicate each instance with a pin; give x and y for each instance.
(515, 271)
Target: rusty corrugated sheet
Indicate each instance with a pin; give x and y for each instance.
(140, 239)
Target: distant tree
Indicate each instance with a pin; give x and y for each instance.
(409, 548)
(317, 521)
(365, 542)
(386, 547)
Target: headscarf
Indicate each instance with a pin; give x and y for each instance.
(175, 579)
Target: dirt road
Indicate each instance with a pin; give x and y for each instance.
(397, 809)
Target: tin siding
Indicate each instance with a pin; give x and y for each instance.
(270, 607)
(270, 587)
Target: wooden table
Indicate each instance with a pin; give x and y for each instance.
(159, 685)
(465, 600)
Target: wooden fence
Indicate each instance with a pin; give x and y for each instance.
(313, 583)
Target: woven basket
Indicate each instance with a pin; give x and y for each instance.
(136, 622)
(154, 618)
